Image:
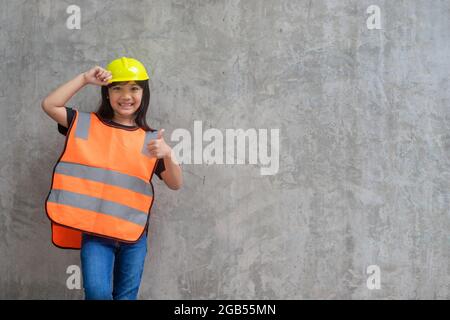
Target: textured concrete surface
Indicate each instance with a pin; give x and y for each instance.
(364, 124)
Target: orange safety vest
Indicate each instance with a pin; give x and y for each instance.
(101, 183)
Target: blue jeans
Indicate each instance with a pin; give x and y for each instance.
(112, 269)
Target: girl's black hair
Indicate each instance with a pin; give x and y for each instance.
(105, 111)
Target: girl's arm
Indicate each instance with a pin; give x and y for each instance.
(53, 104)
(172, 176)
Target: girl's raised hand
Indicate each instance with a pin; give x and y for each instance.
(98, 76)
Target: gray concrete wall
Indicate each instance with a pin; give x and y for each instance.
(364, 144)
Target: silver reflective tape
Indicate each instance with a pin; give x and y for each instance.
(104, 176)
(148, 137)
(83, 124)
(110, 208)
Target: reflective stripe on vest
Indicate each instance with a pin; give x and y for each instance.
(98, 205)
(102, 183)
(105, 176)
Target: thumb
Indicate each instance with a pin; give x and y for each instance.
(160, 134)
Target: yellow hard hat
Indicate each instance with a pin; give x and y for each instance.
(127, 69)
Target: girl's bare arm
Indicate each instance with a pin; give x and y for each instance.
(54, 103)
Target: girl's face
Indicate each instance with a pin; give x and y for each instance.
(125, 98)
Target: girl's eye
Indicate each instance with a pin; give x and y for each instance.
(135, 88)
(116, 88)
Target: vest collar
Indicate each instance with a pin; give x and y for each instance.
(113, 124)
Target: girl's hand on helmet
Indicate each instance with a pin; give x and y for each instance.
(97, 76)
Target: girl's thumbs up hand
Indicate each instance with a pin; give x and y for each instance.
(158, 147)
(98, 76)
(160, 134)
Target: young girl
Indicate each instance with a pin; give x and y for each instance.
(101, 193)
